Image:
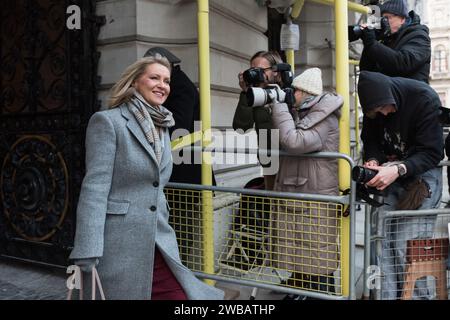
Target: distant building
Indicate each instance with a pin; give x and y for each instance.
(439, 26)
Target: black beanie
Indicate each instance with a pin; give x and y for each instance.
(397, 7)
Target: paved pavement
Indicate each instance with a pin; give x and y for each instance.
(25, 281)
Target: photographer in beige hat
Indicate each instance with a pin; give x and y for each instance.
(305, 239)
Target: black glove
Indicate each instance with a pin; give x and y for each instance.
(368, 37)
(351, 34)
(86, 264)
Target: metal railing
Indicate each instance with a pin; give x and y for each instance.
(261, 238)
(402, 244)
(410, 246)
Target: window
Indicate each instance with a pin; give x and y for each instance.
(440, 59)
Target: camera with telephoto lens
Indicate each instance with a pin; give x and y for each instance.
(257, 97)
(374, 21)
(363, 175)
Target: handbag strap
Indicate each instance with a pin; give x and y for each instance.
(95, 281)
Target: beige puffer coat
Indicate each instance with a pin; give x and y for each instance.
(305, 236)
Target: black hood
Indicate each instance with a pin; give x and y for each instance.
(407, 95)
(414, 18)
(376, 89)
(414, 21)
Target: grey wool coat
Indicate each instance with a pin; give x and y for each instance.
(305, 239)
(122, 211)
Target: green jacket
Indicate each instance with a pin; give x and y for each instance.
(246, 116)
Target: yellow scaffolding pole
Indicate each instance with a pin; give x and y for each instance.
(205, 116)
(350, 5)
(290, 59)
(296, 9)
(343, 88)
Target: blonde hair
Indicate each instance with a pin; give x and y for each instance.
(122, 91)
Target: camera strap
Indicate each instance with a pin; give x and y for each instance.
(363, 193)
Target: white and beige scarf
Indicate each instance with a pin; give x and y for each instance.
(152, 121)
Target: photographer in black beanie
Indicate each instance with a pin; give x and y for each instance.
(403, 51)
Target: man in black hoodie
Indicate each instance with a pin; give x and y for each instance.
(405, 49)
(402, 141)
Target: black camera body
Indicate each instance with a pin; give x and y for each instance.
(254, 76)
(363, 175)
(257, 97)
(379, 24)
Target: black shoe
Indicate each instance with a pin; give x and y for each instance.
(294, 297)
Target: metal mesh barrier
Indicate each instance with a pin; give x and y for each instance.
(284, 242)
(412, 254)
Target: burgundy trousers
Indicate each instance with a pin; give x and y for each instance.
(165, 286)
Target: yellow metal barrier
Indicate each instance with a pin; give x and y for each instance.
(263, 239)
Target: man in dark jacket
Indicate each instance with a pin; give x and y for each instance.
(404, 50)
(402, 141)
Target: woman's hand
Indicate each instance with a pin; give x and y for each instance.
(384, 177)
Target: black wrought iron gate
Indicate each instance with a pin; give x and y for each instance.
(48, 84)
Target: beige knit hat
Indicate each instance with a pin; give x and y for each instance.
(309, 81)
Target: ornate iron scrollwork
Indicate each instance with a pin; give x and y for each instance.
(48, 91)
(34, 188)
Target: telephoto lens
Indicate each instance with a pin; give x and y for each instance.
(363, 175)
(258, 97)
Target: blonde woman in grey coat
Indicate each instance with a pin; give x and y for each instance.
(122, 214)
(305, 239)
